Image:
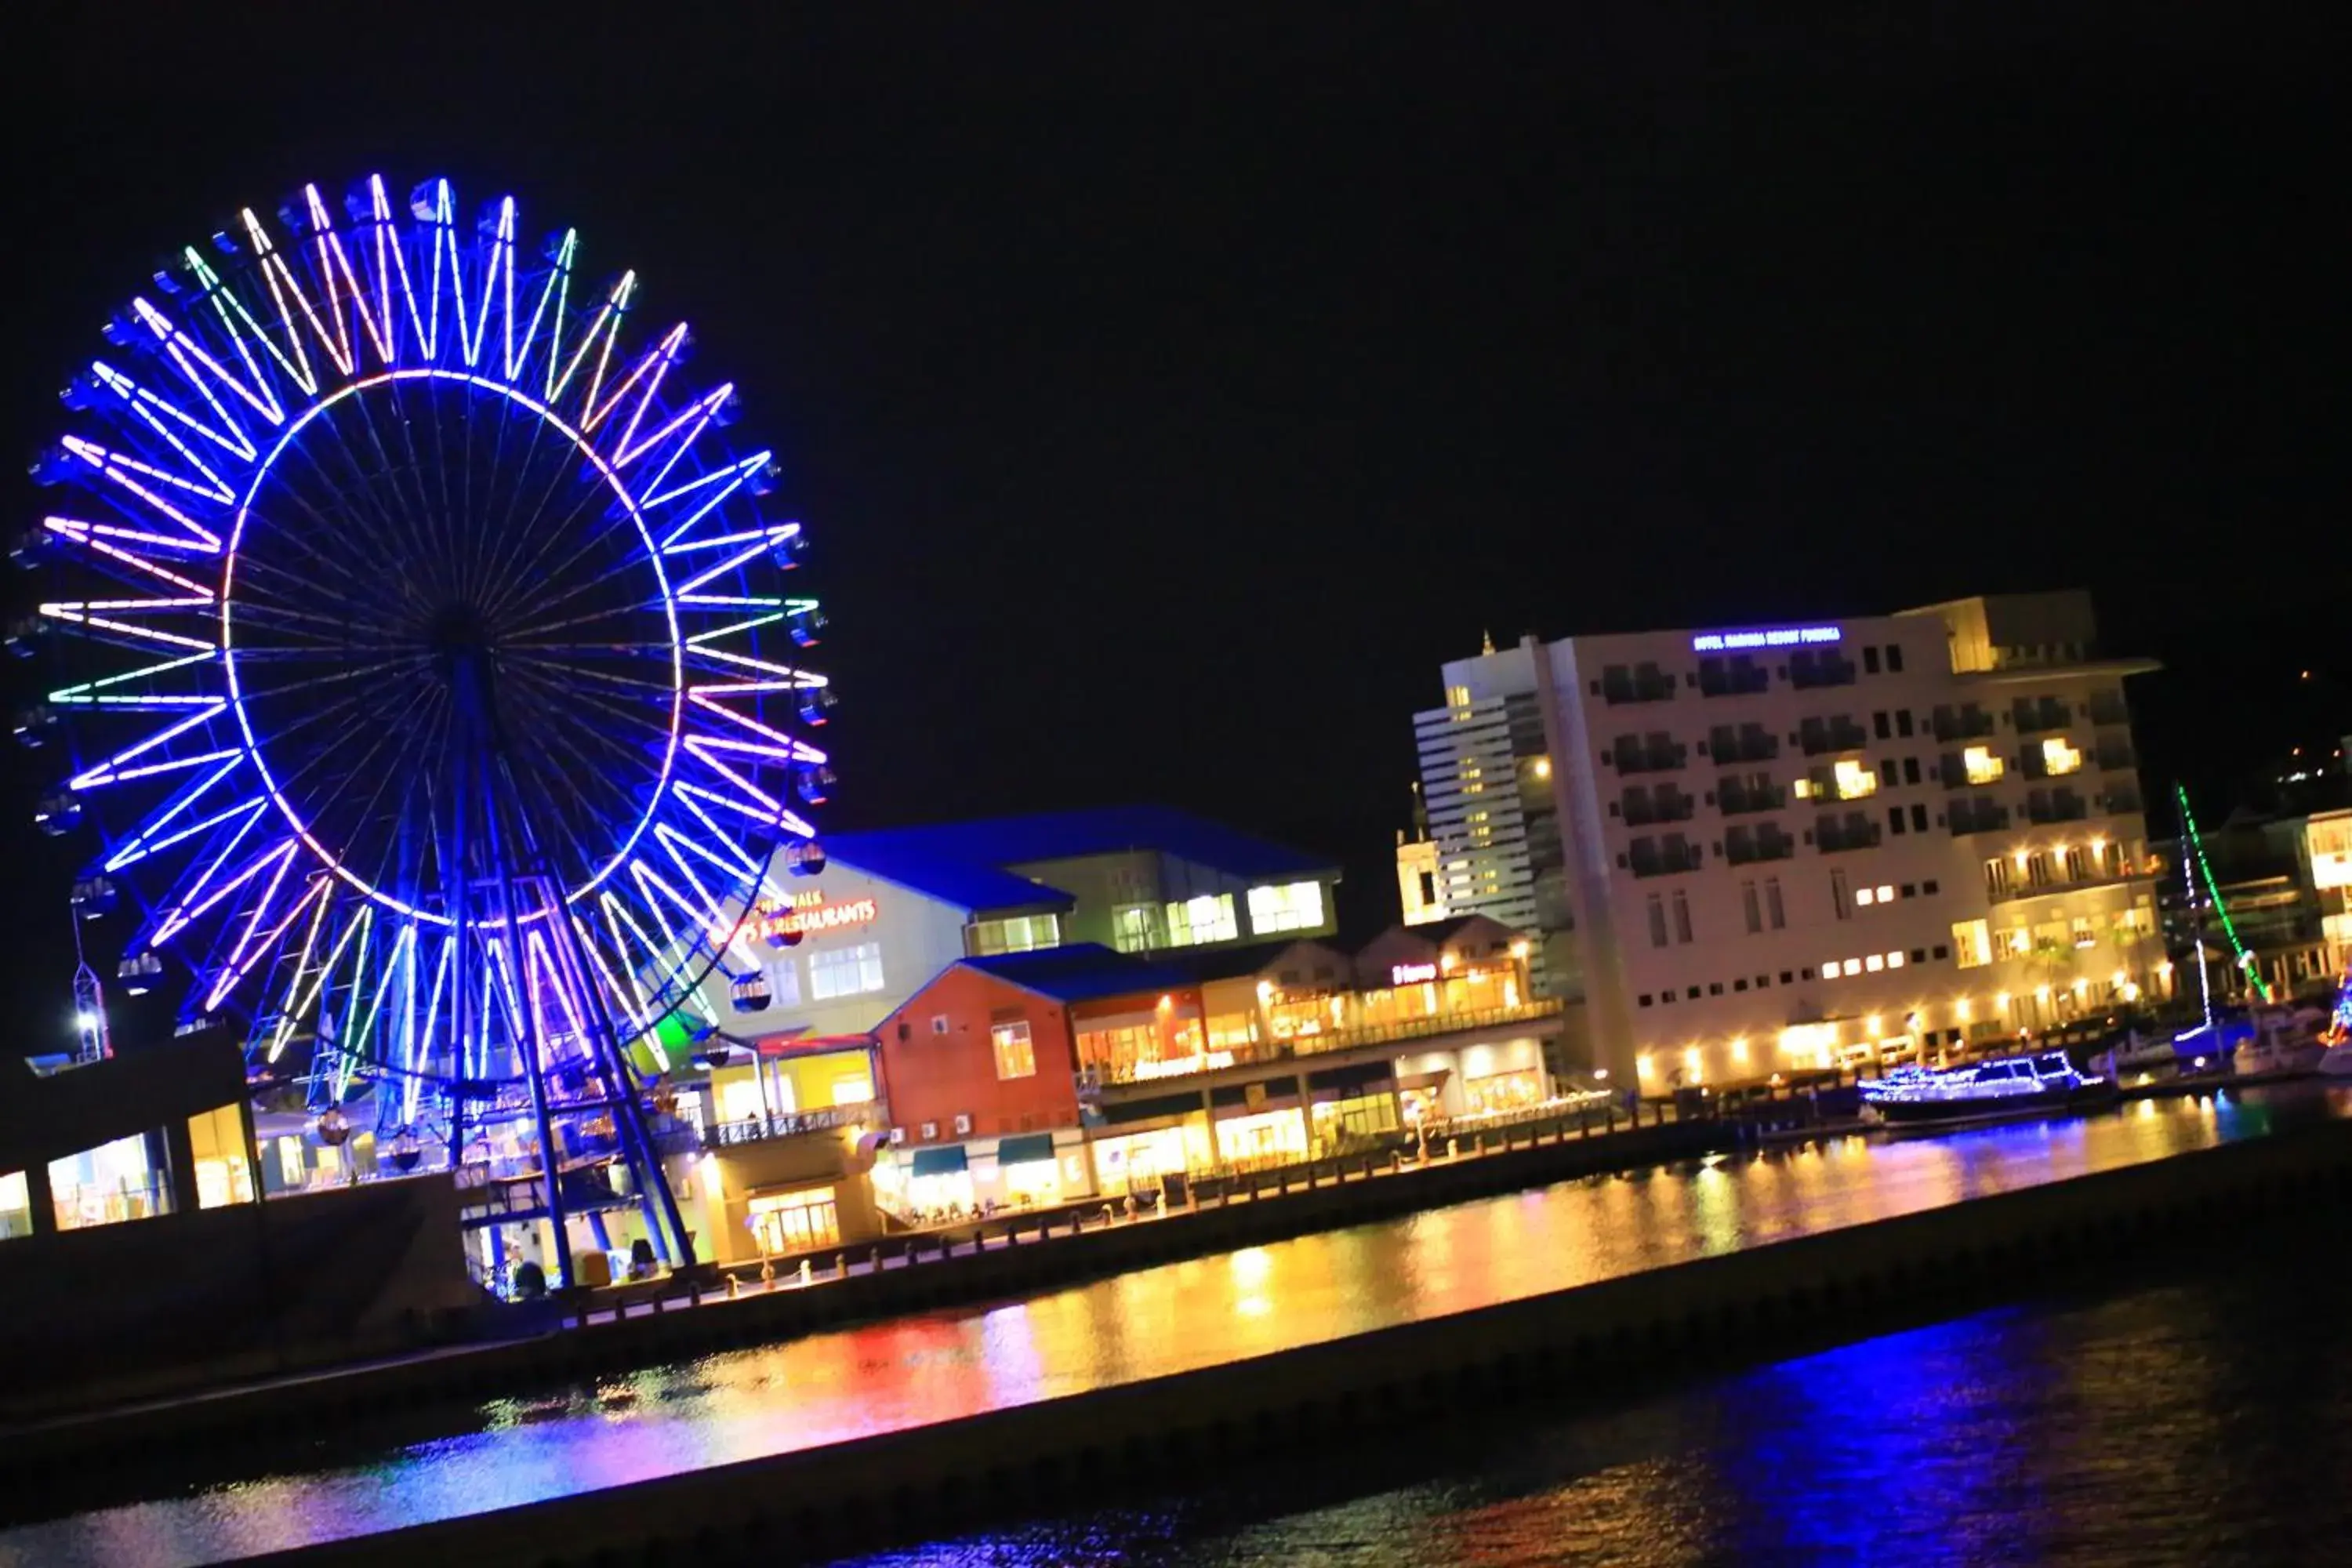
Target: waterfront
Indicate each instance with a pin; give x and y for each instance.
(2199, 1421)
(779, 1399)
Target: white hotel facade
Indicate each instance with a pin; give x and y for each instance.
(1772, 849)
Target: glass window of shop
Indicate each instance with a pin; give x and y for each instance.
(796, 1222)
(1136, 1163)
(1017, 1054)
(1287, 906)
(1268, 1137)
(1035, 1182)
(1016, 933)
(845, 970)
(112, 1183)
(1362, 1115)
(1232, 1032)
(16, 1205)
(216, 1142)
(1504, 1091)
(1301, 1017)
(1208, 918)
(1169, 1039)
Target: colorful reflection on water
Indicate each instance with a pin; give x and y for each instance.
(780, 1398)
(2202, 1421)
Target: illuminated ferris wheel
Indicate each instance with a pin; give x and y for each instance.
(426, 668)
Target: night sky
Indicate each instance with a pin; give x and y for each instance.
(1166, 396)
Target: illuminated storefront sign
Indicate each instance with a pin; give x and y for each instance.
(1782, 636)
(809, 914)
(1411, 973)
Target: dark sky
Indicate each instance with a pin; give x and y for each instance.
(1168, 395)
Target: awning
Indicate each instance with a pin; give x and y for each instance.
(1027, 1149)
(938, 1161)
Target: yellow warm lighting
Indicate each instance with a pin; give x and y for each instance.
(1739, 1051)
(1519, 949)
(2002, 1000)
(1855, 779)
(2164, 970)
(1264, 989)
(1543, 767)
(2022, 856)
(2058, 757)
(2099, 845)
(2042, 994)
(1870, 1026)
(1644, 1066)
(2121, 978)
(1983, 765)
(1960, 1009)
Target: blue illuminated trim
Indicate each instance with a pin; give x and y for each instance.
(1780, 636)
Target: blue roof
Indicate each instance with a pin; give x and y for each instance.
(1082, 971)
(972, 885)
(995, 843)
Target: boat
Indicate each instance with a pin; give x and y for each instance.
(2281, 1043)
(2008, 1086)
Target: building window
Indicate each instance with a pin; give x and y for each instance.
(1855, 779)
(1291, 906)
(1646, 998)
(1895, 818)
(1840, 900)
(1887, 771)
(2058, 757)
(1870, 660)
(1208, 918)
(1015, 1055)
(1754, 910)
(2015, 941)
(1972, 940)
(1130, 929)
(1772, 902)
(1017, 933)
(1881, 726)
(1903, 724)
(2085, 935)
(1657, 920)
(1983, 765)
(845, 972)
(1930, 888)
(1894, 659)
(1910, 768)
(1918, 818)
(1682, 917)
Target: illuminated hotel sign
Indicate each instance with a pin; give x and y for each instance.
(1411, 973)
(1780, 636)
(808, 914)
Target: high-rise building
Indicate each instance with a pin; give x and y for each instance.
(1770, 849)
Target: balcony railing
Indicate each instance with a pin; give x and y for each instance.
(2034, 715)
(1324, 1041)
(1657, 757)
(1806, 670)
(1741, 677)
(1646, 684)
(790, 1124)
(1741, 850)
(1664, 860)
(1967, 724)
(1969, 816)
(1837, 735)
(1738, 799)
(1749, 744)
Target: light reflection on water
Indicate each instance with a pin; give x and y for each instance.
(780, 1398)
(2202, 1421)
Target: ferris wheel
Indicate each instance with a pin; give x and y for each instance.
(426, 667)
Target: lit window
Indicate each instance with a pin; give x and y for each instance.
(1894, 959)
(1885, 892)
(1874, 963)
(1292, 906)
(1971, 943)
(1983, 765)
(1017, 1056)
(1802, 789)
(1208, 918)
(1864, 897)
(1018, 934)
(2058, 757)
(2085, 934)
(845, 972)
(1855, 779)
(1832, 969)
(2013, 942)
(1130, 929)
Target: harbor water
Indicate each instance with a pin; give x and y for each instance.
(1671, 1460)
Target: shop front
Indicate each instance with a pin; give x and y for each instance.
(1138, 1161)
(791, 1221)
(1027, 1170)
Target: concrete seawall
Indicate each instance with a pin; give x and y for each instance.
(1750, 1303)
(1029, 1265)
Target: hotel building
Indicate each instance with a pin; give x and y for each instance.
(1761, 851)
